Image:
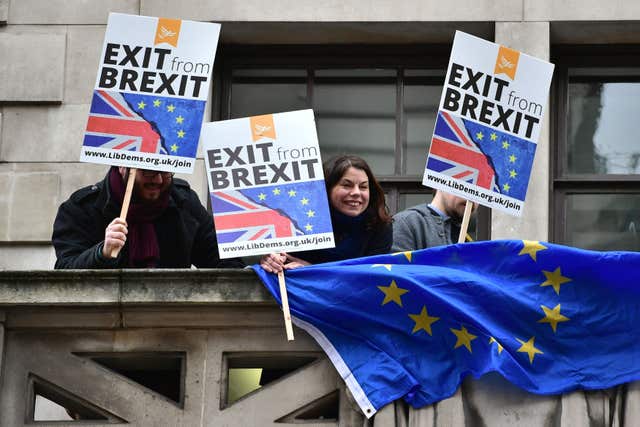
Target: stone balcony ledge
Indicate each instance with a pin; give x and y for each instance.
(136, 298)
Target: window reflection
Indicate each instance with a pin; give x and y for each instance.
(603, 221)
(420, 106)
(360, 118)
(253, 99)
(602, 128)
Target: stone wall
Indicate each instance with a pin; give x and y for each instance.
(50, 51)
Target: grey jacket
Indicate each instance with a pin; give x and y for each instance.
(419, 227)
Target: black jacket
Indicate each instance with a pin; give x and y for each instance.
(184, 230)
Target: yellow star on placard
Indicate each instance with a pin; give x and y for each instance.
(170, 108)
(387, 266)
(262, 196)
(529, 348)
(141, 105)
(552, 316)
(181, 133)
(179, 119)
(304, 201)
(464, 338)
(407, 254)
(392, 293)
(157, 103)
(493, 136)
(423, 321)
(174, 148)
(531, 248)
(500, 347)
(276, 191)
(292, 193)
(554, 279)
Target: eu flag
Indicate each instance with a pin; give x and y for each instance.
(412, 325)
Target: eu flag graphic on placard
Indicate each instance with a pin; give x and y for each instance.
(412, 325)
(276, 211)
(144, 123)
(480, 155)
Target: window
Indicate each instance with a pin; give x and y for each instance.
(377, 102)
(596, 185)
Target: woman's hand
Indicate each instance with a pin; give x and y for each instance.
(276, 263)
(273, 263)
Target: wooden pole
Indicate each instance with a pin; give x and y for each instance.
(465, 221)
(285, 306)
(125, 202)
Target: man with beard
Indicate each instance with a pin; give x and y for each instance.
(428, 225)
(166, 225)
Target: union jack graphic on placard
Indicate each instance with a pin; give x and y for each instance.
(114, 124)
(237, 218)
(454, 153)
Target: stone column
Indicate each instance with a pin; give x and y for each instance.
(531, 38)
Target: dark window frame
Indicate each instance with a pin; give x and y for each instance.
(563, 183)
(398, 57)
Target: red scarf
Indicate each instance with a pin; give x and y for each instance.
(142, 240)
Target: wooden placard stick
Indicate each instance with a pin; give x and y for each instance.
(125, 202)
(285, 306)
(465, 221)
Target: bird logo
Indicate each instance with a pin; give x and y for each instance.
(164, 33)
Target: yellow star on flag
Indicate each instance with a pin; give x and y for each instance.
(304, 201)
(552, 316)
(311, 213)
(262, 196)
(506, 187)
(423, 321)
(505, 145)
(500, 347)
(292, 193)
(392, 293)
(529, 348)
(513, 173)
(554, 279)
(308, 227)
(179, 119)
(464, 338)
(174, 148)
(407, 254)
(387, 266)
(512, 158)
(479, 135)
(141, 105)
(181, 134)
(493, 136)
(276, 191)
(531, 248)
(157, 103)
(170, 108)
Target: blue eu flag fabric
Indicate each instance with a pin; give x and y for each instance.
(412, 325)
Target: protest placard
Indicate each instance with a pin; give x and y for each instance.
(266, 184)
(488, 124)
(150, 93)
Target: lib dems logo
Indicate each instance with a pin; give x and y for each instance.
(168, 31)
(507, 62)
(262, 127)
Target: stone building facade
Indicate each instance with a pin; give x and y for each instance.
(372, 71)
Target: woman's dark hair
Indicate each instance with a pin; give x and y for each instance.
(334, 170)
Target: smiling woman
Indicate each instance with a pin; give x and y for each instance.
(360, 218)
